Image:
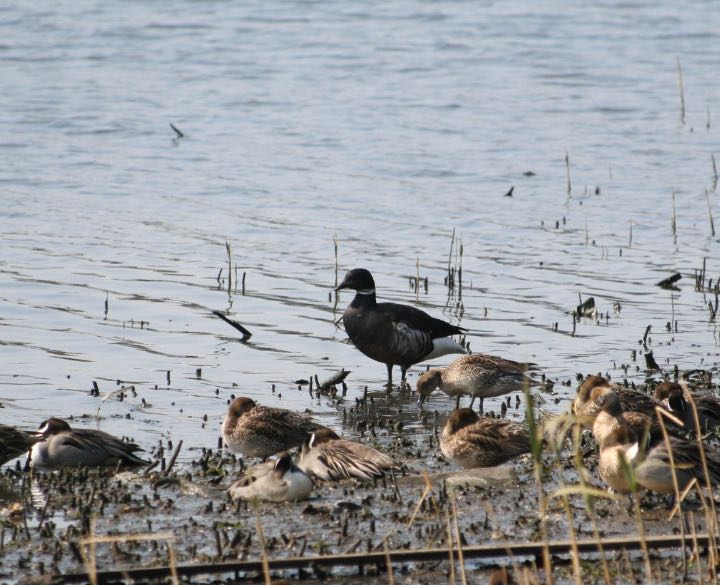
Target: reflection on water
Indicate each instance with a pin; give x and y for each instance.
(387, 127)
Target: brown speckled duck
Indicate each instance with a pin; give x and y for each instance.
(260, 431)
(472, 441)
(478, 375)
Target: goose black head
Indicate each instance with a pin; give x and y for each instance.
(358, 279)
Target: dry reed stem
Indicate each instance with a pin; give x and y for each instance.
(682, 92)
(335, 246)
(229, 255)
(263, 550)
(108, 395)
(428, 490)
(388, 562)
(674, 220)
(459, 541)
(710, 512)
(451, 556)
(710, 217)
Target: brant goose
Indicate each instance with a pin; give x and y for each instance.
(478, 374)
(62, 446)
(391, 333)
(14, 442)
(676, 400)
(273, 481)
(261, 431)
(328, 457)
(470, 441)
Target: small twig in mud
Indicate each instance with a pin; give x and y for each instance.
(246, 334)
(630, 239)
(707, 120)
(173, 458)
(177, 131)
(682, 92)
(107, 301)
(710, 217)
(715, 172)
(510, 192)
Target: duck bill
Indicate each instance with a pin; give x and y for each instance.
(341, 286)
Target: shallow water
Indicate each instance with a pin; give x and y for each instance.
(385, 125)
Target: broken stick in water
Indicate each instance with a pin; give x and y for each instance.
(246, 334)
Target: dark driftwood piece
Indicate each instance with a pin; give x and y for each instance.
(246, 334)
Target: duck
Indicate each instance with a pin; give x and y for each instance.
(651, 464)
(14, 442)
(471, 441)
(606, 405)
(273, 481)
(60, 445)
(260, 431)
(478, 375)
(631, 400)
(326, 456)
(391, 333)
(676, 398)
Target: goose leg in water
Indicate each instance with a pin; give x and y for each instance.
(389, 370)
(472, 401)
(481, 405)
(403, 372)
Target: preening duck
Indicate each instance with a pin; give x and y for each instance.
(274, 481)
(677, 399)
(394, 334)
(326, 456)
